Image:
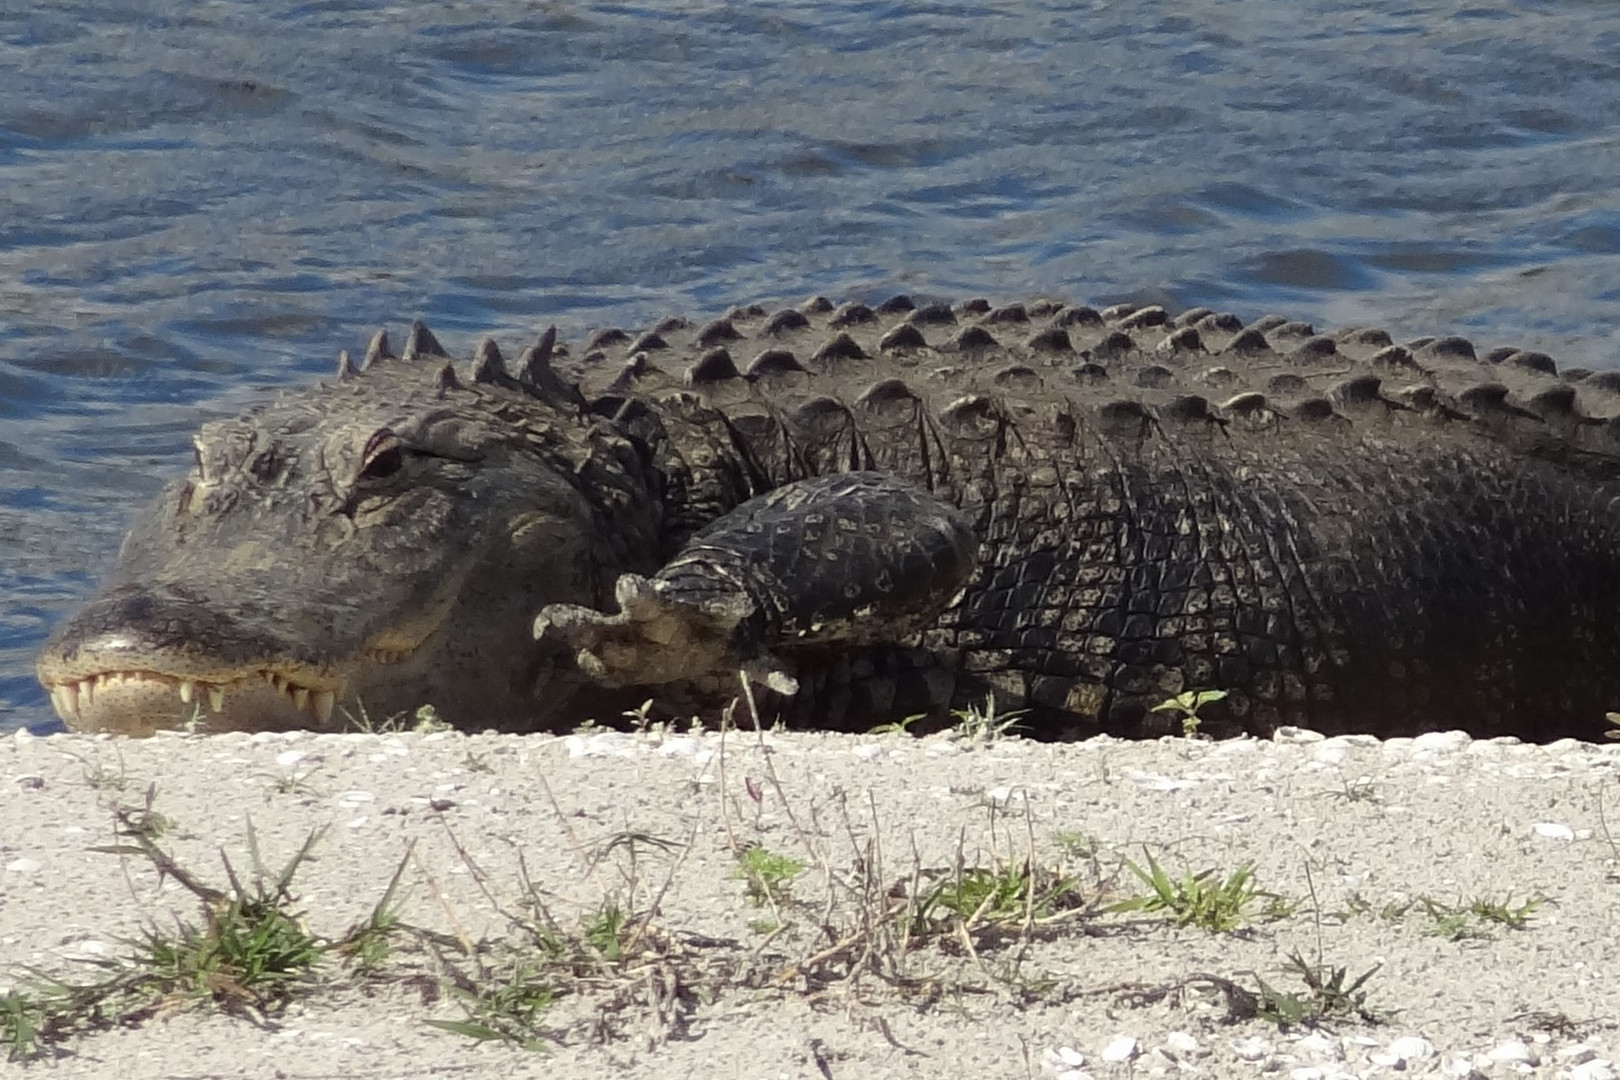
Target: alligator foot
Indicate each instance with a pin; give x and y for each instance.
(656, 638)
(855, 558)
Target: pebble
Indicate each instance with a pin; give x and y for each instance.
(1290, 734)
(1155, 782)
(1410, 1048)
(1552, 830)
(1071, 1057)
(1329, 754)
(1251, 1049)
(1320, 1047)
(1513, 1052)
(601, 744)
(1183, 1043)
(1003, 796)
(1120, 1049)
(1441, 742)
(24, 865)
(1596, 1069)
(1403, 1051)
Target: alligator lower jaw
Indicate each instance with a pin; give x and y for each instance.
(139, 702)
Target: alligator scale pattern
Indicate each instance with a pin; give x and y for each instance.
(880, 511)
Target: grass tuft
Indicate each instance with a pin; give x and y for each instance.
(984, 724)
(1205, 900)
(768, 876)
(1186, 705)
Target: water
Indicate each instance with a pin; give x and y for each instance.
(200, 201)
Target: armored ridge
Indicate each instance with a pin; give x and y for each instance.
(1083, 512)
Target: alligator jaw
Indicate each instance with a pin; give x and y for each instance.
(138, 702)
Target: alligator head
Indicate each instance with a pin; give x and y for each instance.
(375, 543)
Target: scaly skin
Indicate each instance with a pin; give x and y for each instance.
(1351, 535)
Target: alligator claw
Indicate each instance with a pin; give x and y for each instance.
(654, 639)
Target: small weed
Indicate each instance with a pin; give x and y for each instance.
(768, 876)
(294, 783)
(605, 931)
(1477, 918)
(979, 894)
(513, 985)
(425, 720)
(509, 1011)
(22, 1020)
(1074, 846)
(1002, 897)
(1392, 911)
(1204, 900)
(1330, 994)
(247, 955)
(896, 727)
(642, 722)
(251, 948)
(369, 943)
(1360, 790)
(984, 724)
(145, 823)
(1186, 704)
(100, 777)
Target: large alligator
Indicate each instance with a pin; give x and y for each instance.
(874, 512)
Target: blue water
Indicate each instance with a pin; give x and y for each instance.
(198, 202)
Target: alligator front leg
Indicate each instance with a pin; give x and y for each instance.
(856, 558)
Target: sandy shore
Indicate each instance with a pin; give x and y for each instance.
(653, 822)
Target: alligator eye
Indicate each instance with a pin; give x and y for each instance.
(383, 465)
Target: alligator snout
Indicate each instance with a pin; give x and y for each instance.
(138, 659)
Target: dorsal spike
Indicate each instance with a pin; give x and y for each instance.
(536, 375)
(421, 342)
(446, 379)
(535, 365)
(345, 365)
(376, 349)
(488, 363)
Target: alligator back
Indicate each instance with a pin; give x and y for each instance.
(1340, 531)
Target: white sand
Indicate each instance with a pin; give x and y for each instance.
(1446, 817)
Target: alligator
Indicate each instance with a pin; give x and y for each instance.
(859, 514)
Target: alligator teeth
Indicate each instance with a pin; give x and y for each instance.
(300, 698)
(320, 703)
(188, 691)
(87, 691)
(216, 698)
(65, 699)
